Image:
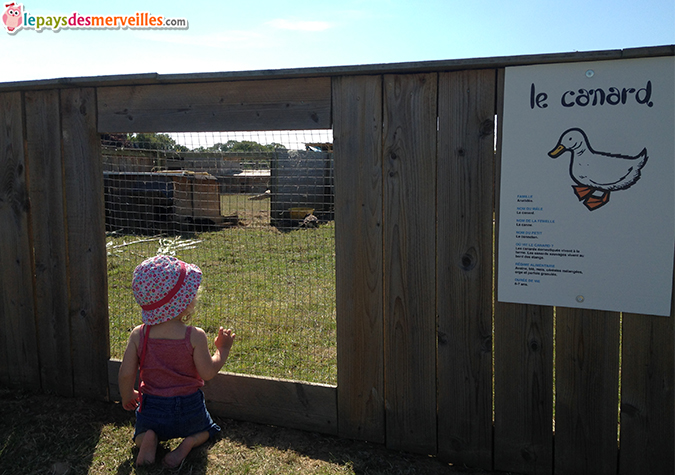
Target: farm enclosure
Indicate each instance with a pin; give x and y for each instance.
(419, 339)
(268, 275)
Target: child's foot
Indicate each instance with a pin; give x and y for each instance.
(174, 458)
(147, 448)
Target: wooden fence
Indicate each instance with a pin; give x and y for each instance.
(427, 361)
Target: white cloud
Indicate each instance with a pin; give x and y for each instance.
(299, 25)
(218, 39)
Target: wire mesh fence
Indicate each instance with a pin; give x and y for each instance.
(254, 210)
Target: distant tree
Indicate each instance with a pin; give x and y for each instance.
(154, 141)
(244, 146)
(277, 146)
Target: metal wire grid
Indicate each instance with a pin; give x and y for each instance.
(255, 212)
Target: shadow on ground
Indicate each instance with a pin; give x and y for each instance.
(42, 434)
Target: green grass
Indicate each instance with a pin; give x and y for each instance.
(43, 434)
(275, 289)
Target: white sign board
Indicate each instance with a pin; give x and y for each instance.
(587, 196)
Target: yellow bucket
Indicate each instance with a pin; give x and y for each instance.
(300, 213)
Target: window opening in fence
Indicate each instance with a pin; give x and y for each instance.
(254, 210)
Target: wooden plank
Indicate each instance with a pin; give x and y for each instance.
(43, 156)
(357, 136)
(523, 362)
(587, 388)
(87, 270)
(302, 103)
(523, 388)
(466, 109)
(284, 403)
(336, 71)
(409, 153)
(19, 367)
(113, 382)
(647, 401)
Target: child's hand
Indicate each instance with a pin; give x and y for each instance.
(131, 403)
(224, 339)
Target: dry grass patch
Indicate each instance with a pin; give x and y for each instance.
(58, 436)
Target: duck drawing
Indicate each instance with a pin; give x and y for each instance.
(596, 174)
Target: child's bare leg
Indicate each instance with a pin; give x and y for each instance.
(147, 444)
(174, 458)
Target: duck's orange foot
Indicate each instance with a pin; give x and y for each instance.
(582, 191)
(594, 202)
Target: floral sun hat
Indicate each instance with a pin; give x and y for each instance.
(164, 286)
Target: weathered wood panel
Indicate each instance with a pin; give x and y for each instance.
(523, 388)
(357, 136)
(466, 103)
(409, 153)
(647, 401)
(87, 270)
(336, 71)
(293, 404)
(18, 337)
(113, 381)
(43, 157)
(523, 366)
(587, 388)
(279, 104)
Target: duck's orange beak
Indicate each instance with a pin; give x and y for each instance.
(556, 151)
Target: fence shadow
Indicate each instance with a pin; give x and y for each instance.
(358, 457)
(49, 434)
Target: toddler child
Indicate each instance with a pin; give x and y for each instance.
(174, 361)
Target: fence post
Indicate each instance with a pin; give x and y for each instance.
(464, 268)
(409, 156)
(87, 271)
(44, 159)
(647, 395)
(587, 392)
(18, 339)
(523, 350)
(357, 136)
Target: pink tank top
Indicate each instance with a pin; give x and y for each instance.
(168, 368)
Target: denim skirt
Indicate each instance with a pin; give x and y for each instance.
(174, 417)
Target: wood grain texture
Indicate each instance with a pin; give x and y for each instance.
(647, 401)
(523, 388)
(292, 404)
(284, 403)
(587, 388)
(410, 260)
(87, 270)
(464, 277)
(18, 338)
(280, 104)
(357, 136)
(523, 366)
(43, 156)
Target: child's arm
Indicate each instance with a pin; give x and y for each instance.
(207, 365)
(128, 370)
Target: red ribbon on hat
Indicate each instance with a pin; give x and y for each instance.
(172, 293)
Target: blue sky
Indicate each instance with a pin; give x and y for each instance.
(262, 34)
